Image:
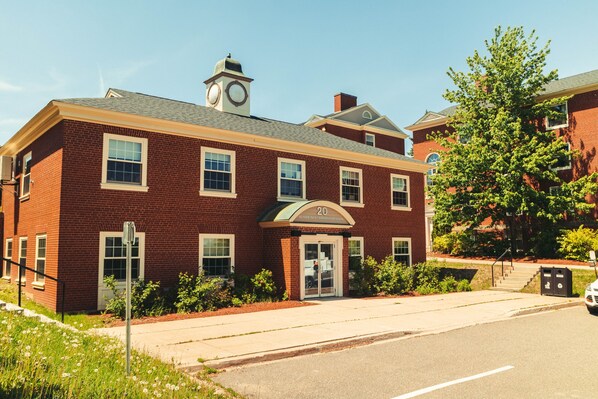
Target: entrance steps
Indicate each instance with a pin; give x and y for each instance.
(516, 279)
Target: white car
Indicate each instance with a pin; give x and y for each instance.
(591, 297)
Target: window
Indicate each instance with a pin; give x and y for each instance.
(351, 187)
(217, 254)
(26, 178)
(366, 115)
(554, 190)
(7, 255)
(23, 256)
(370, 140)
(113, 256)
(124, 163)
(432, 160)
(562, 120)
(218, 173)
(40, 258)
(291, 179)
(563, 163)
(400, 192)
(355, 253)
(401, 250)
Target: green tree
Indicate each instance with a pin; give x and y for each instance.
(499, 159)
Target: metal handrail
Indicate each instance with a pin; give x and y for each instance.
(502, 265)
(21, 267)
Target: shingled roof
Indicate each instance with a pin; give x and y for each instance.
(166, 109)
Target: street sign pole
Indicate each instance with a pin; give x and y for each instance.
(128, 239)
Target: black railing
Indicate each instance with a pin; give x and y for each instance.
(23, 267)
(502, 264)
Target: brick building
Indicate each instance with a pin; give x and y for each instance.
(578, 125)
(210, 189)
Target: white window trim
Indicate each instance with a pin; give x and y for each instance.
(373, 136)
(408, 239)
(367, 115)
(124, 186)
(23, 175)
(397, 207)
(303, 180)
(354, 204)
(562, 125)
(553, 188)
(24, 279)
(4, 275)
(102, 289)
(230, 237)
(361, 249)
(36, 278)
(567, 167)
(233, 167)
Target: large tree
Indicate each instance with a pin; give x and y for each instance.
(499, 159)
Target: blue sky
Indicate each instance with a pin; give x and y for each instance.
(391, 54)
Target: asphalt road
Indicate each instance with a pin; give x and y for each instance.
(546, 355)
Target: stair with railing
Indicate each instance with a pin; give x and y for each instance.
(511, 278)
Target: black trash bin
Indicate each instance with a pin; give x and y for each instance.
(562, 282)
(546, 280)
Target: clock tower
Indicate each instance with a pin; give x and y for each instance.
(228, 88)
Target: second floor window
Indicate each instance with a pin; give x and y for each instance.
(124, 163)
(432, 160)
(559, 121)
(218, 172)
(370, 139)
(26, 179)
(351, 187)
(400, 192)
(291, 184)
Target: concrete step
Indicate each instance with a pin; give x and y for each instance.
(517, 279)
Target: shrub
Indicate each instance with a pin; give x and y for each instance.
(200, 293)
(364, 279)
(392, 277)
(146, 299)
(575, 244)
(449, 284)
(263, 286)
(463, 286)
(444, 244)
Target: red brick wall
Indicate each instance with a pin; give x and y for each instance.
(423, 144)
(172, 214)
(39, 214)
(394, 144)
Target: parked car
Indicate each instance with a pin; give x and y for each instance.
(591, 297)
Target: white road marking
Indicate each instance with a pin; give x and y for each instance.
(449, 383)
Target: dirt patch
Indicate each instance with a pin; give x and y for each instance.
(248, 308)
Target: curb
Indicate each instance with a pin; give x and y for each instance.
(544, 308)
(322, 347)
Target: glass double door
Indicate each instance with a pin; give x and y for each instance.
(319, 269)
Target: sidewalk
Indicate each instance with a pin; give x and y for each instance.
(332, 324)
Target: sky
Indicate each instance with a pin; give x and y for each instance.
(393, 55)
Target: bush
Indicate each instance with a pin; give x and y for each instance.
(200, 293)
(263, 286)
(463, 286)
(444, 244)
(575, 244)
(364, 279)
(392, 277)
(146, 299)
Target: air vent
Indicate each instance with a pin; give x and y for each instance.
(5, 168)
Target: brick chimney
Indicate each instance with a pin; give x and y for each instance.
(344, 101)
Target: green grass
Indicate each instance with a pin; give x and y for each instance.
(581, 278)
(41, 360)
(8, 293)
(479, 276)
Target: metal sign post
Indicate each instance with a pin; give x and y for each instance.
(128, 240)
(593, 262)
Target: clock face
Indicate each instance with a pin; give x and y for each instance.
(213, 94)
(236, 93)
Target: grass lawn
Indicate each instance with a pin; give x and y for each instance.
(41, 360)
(479, 276)
(8, 293)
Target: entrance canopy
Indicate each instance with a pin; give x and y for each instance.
(313, 213)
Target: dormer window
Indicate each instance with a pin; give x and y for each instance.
(367, 115)
(370, 140)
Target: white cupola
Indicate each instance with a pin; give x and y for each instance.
(228, 89)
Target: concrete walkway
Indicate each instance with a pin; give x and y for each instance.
(534, 265)
(332, 324)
